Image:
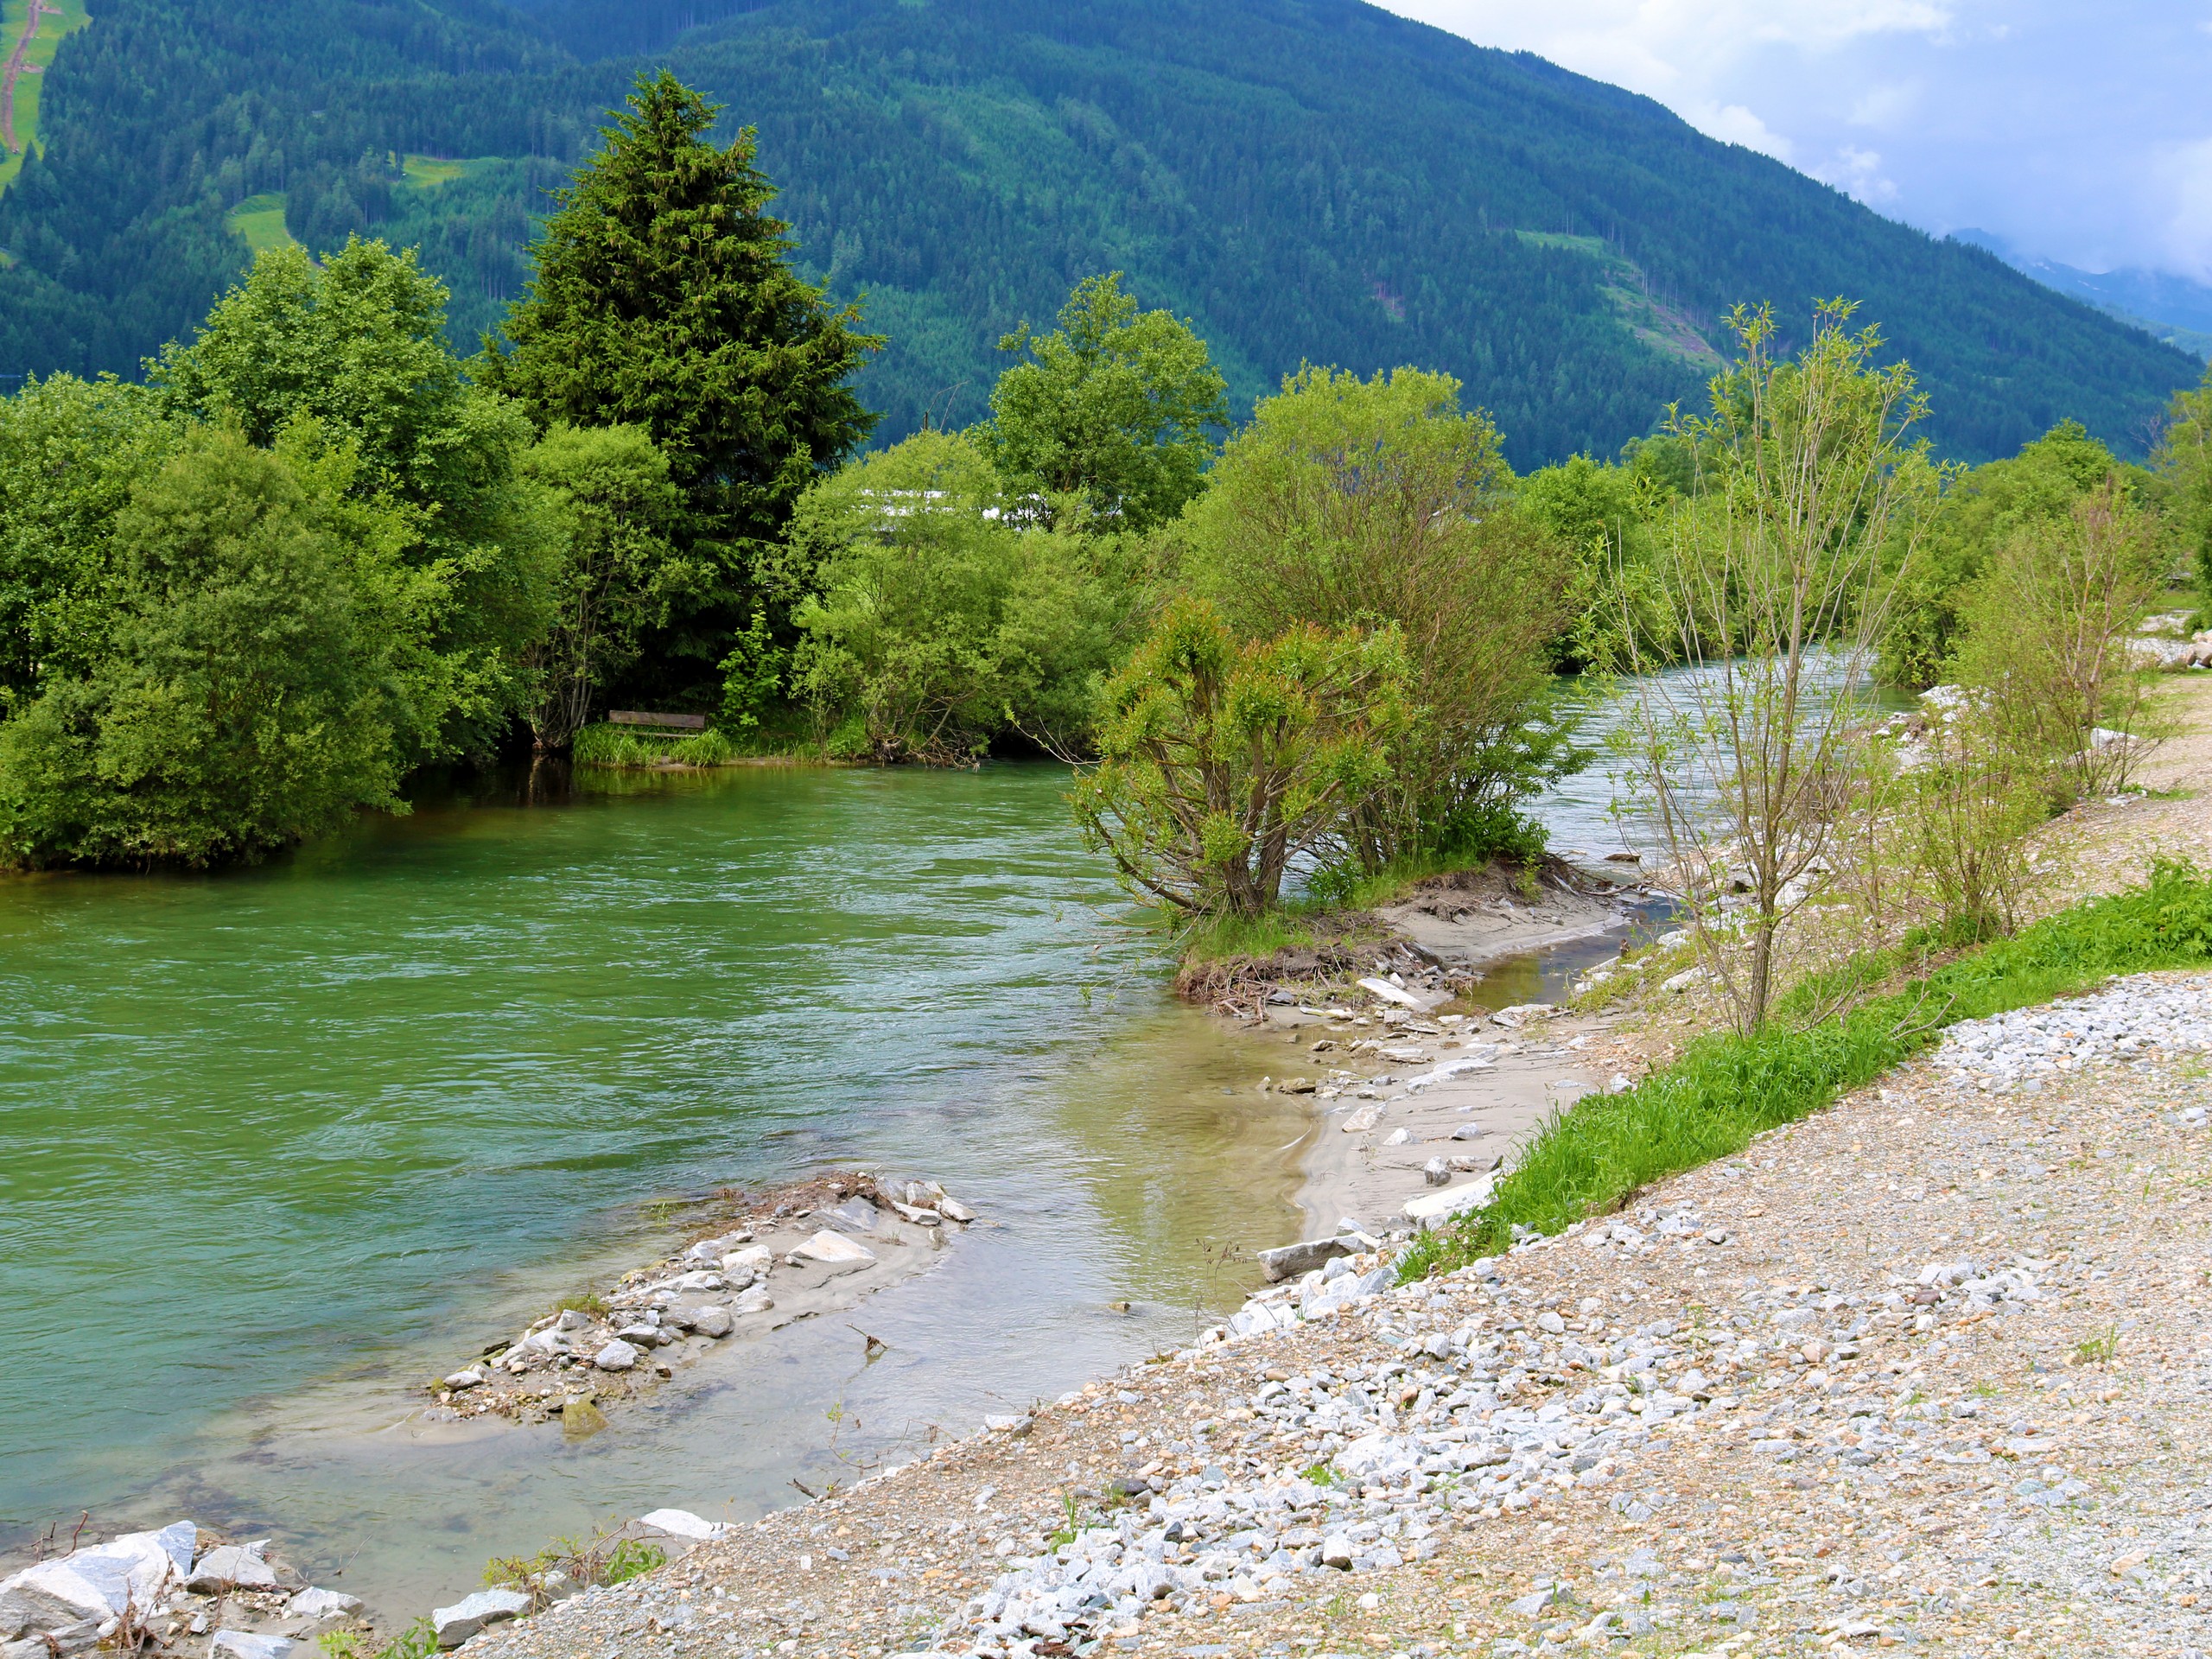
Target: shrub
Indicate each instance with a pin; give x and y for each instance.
(1222, 760)
(1351, 503)
(609, 745)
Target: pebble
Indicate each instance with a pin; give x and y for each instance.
(2136, 1020)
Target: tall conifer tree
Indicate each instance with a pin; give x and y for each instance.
(663, 299)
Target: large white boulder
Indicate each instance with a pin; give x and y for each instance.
(96, 1583)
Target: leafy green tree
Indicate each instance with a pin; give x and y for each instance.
(1116, 405)
(1776, 570)
(1223, 760)
(1980, 511)
(244, 696)
(931, 621)
(1606, 518)
(354, 349)
(2046, 628)
(70, 453)
(1350, 503)
(621, 573)
(665, 298)
(2184, 460)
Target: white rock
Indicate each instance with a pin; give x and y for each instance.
(1435, 1206)
(314, 1603)
(94, 1583)
(1390, 993)
(710, 1321)
(953, 1210)
(456, 1623)
(755, 1259)
(249, 1644)
(617, 1355)
(233, 1565)
(468, 1377)
(1375, 1459)
(834, 1249)
(97, 1582)
(682, 1523)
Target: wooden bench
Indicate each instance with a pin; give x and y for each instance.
(674, 725)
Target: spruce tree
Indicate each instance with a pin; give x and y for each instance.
(664, 298)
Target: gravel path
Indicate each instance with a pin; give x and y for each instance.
(1932, 1370)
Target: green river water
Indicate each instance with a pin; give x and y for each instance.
(276, 1144)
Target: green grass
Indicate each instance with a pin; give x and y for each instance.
(51, 29)
(609, 745)
(427, 172)
(260, 220)
(1594, 1157)
(1217, 939)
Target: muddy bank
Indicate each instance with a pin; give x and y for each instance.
(1433, 942)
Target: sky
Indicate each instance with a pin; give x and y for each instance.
(2079, 132)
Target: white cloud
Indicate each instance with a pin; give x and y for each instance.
(2079, 132)
(1732, 123)
(1858, 172)
(2187, 176)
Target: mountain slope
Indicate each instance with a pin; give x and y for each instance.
(2167, 307)
(1306, 178)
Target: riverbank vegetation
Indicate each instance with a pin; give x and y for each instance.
(316, 550)
(1731, 1086)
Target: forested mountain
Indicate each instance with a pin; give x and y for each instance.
(1305, 179)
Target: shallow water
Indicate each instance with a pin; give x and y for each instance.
(273, 1143)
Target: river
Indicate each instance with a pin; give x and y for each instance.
(278, 1143)
(274, 1143)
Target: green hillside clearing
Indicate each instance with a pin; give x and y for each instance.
(260, 220)
(56, 19)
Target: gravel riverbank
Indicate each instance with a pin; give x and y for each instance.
(1932, 1369)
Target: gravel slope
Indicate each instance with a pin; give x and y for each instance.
(1932, 1369)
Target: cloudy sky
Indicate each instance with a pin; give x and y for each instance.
(2080, 131)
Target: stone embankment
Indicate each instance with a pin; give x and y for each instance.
(1931, 1370)
(826, 1242)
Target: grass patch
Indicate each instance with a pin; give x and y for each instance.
(418, 1641)
(1591, 1159)
(1219, 938)
(260, 221)
(427, 172)
(602, 1559)
(609, 745)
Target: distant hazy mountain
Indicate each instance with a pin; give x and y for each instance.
(1307, 179)
(2165, 307)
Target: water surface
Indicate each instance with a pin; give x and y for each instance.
(274, 1143)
